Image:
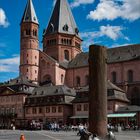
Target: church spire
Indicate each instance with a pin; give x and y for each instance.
(62, 20)
(29, 13)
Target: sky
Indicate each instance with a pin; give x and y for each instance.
(111, 23)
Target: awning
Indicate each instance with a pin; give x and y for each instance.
(121, 115)
(79, 117)
(118, 115)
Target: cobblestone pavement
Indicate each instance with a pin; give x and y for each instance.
(49, 135)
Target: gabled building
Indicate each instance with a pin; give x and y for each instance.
(116, 98)
(50, 104)
(12, 100)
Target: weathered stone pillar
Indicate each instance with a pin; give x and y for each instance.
(98, 90)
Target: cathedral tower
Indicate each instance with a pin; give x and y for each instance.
(29, 53)
(61, 38)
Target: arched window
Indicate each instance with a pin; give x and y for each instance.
(65, 41)
(78, 81)
(35, 33)
(114, 76)
(47, 79)
(28, 32)
(135, 96)
(62, 78)
(130, 76)
(66, 55)
(62, 40)
(87, 80)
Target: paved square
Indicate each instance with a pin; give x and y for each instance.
(49, 135)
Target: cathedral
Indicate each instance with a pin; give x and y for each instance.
(53, 82)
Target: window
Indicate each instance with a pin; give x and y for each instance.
(65, 27)
(47, 78)
(51, 42)
(130, 76)
(114, 77)
(47, 109)
(53, 109)
(79, 107)
(34, 110)
(87, 80)
(62, 78)
(27, 70)
(35, 33)
(76, 31)
(28, 32)
(62, 40)
(35, 57)
(51, 29)
(66, 55)
(27, 111)
(40, 110)
(78, 81)
(85, 107)
(60, 109)
(135, 96)
(77, 44)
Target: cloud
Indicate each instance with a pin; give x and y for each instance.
(112, 32)
(77, 3)
(9, 64)
(112, 9)
(3, 19)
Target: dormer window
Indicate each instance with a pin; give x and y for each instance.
(65, 27)
(27, 18)
(51, 28)
(76, 31)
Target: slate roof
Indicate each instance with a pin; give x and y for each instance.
(80, 60)
(29, 13)
(53, 90)
(132, 108)
(21, 80)
(113, 92)
(62, 20)
(124, 53)
(118, 54)
(110, 85)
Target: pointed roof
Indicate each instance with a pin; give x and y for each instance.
(29, 13)
(62, 20)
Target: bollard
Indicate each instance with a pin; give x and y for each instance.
(22, 137)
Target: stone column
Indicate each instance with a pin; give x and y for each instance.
(98, 90)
